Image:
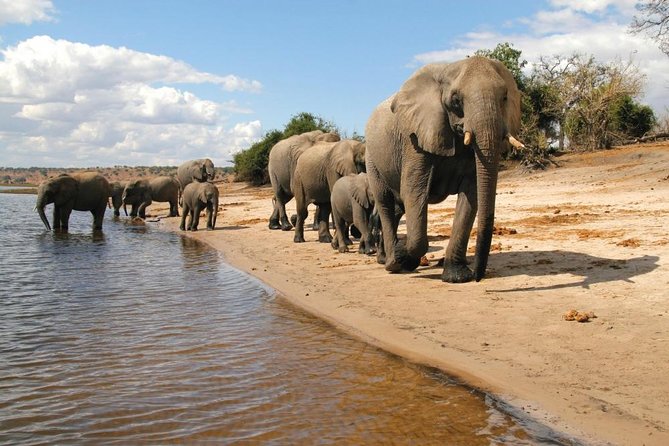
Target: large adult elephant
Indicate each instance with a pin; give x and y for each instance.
(282, 161)
(141, 193)
(195, 170)
(86, 191)
(316, 172)
(442, 134)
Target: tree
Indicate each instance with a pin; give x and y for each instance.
(632, 119)
(251, 164)
(654, 21)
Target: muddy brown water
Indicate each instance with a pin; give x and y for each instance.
(135, 335)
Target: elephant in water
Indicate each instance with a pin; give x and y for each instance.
(198, 196)
(141, 193)
(195, 170)
(316, 172)
(87, 191)
(441, 134)
(352, 203)
(116, 196)
(282, 161)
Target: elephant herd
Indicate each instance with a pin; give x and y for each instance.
(90, 191)
(443, 133)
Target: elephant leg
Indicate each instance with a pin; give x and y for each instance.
(133, 210)
(65, 218)
(281, 199)
(315, 225)
(455, 260)
(98, 217)
(174, 209)
(184, 215)
(142, 209)
(196, 217)
(361, 221)
(324, 235)
(338, 242)
(210, 215)
(56, 217)
(274, 218)
(301, 216)
(416, 173)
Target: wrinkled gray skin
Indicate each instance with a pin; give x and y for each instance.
(416, 155)
(139, 194)
(87, 191)
(197, 196)
(316, 172)
(195, 170)
(116, 197)
(352, 203)
(281, 165)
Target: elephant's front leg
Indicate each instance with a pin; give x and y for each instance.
(455, 260)
(98, 217)
(142, 209)
(210, 216)
(324, 235)
(361, 221)
(195, 220)
(415, 187)
(184, 214)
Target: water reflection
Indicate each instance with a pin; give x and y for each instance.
(139, 336)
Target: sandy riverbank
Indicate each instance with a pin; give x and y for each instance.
(591, 235)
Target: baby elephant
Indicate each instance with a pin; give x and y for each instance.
(352, 203)
(197, 196)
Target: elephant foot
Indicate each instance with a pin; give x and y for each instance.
(182, 228)
(274, 224)
(286, 227)
(293, 220)
(456, 273)
(348, 241)
(402, 261)
(298, 239)
(193, 229)
(325, 238)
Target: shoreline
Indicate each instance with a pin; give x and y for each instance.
(556, 249)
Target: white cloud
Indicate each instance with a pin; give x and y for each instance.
(86, 105)
(25, 11)
(597, 27)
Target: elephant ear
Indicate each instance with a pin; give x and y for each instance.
(197, 171)
(202, 193)
(359, 188)
(343, 161)
(421, 113)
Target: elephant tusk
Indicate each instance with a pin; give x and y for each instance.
(468, 138)
(515, 143)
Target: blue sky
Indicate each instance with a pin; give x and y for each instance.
(103, 83)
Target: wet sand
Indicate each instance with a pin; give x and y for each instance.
(590, 236)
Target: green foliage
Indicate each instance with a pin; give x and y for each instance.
(631, 118)
(251, 164)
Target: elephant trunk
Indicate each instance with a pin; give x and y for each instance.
(487, 149)
(39, 207)
(214, 212)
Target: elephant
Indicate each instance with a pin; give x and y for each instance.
(441, 134)
(197, 196)
(316, 172)
(282, 160)
(116, 196)
(141, 193)
(195, 170)
(352, 203)
(86, 191)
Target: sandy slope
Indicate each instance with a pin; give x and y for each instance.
(590, 235)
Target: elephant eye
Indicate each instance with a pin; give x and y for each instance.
(456, 103)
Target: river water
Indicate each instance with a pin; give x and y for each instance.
(136, 335)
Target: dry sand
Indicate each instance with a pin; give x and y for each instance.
(590, 235)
